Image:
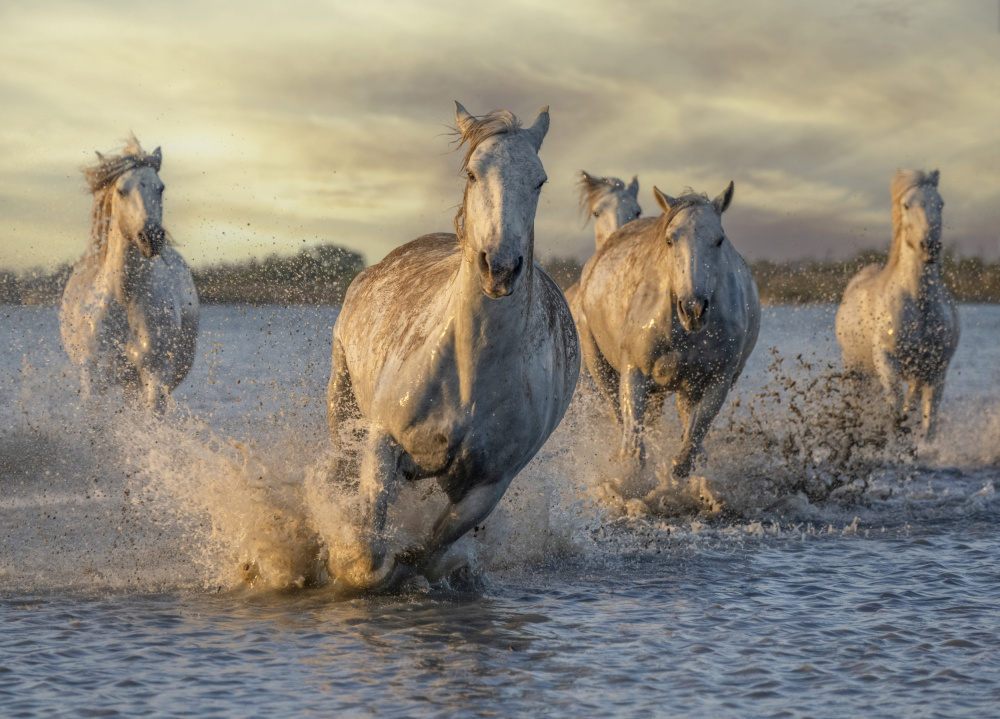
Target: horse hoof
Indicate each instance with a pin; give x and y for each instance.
(249, 571)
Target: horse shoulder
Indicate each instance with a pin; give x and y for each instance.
(392, 307)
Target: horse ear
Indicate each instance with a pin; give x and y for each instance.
(935, 176)
(721, 203)
(100, 157)
(157, 159)
(633, 187)
(539, 127)
(588, 179)
(664, 201)
(463, 118)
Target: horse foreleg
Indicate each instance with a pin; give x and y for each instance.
(456, 519)
(380, 483)
(634, 392)
(888, 375)
(931, 400)
(697, 414)
(912, 387)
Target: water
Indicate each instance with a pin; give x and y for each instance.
(825, 586)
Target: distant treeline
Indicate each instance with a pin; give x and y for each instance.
(317, 275)
(321, 275)
(970, 279)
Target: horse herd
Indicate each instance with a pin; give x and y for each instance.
(459, 355)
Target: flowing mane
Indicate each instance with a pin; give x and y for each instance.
(100, 179)
(494, 122)
(902, 181)
(592, 189)
(690, 198)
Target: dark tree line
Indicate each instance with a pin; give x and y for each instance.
(321, 275)
(317, 275)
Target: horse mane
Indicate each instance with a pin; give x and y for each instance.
(690, 198)
(100, 179)
(902, 181)
(592, 189)
(494, 122)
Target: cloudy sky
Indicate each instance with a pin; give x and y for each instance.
(286, 124)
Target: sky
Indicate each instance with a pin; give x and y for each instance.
(283, 125)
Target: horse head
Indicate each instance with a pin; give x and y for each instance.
(692, 231)
(610, 202)
(917, 209)
(505, 176)
(137, 204)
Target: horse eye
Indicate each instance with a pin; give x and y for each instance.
(719, 241)
(472, 177)
(906, 206)
(670, 240)
(597, 214)
(121, 192)
(539, 187)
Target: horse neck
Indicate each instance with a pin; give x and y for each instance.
(485, 328)
(907, 269)
(125, 268)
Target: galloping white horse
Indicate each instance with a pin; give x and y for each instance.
(612, 204)
(669, 305)
(458, 350)
(130, 310)
(899, 323)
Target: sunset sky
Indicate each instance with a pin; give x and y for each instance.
(286, 124)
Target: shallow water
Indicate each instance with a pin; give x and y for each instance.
(875, 593)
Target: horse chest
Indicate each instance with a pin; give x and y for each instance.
(921, 339)
(442, 432)
(674, 357)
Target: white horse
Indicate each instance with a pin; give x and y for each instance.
(612, 204)
(130, 311)
(669, 305)
(899, 323)
(458, 351)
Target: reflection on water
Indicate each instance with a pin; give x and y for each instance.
(118, 593)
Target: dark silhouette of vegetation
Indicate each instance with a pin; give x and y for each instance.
(317, 275)
(322, 274)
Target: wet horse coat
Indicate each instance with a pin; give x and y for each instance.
(611, 203)
(668, 305)
(130, 310)
(899, 323)
(458, 351)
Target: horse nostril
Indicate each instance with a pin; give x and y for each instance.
(517, 267)
(484, 265)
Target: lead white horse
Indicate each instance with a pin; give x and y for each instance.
(457, 351)
(669, 305)
(611, 203)
(899, 323)
(130, 311)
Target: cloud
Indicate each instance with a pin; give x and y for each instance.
(328, 121)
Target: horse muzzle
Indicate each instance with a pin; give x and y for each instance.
(692, 313)
(151, 240)
(498, 279)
